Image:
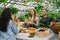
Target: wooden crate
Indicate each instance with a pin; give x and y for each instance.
(56, 27)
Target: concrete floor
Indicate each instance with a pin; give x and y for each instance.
(56, 37)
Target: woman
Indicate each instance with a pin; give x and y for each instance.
(33, 19)
(8, 28)
(45, 20)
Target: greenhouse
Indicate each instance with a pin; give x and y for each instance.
(29, 19)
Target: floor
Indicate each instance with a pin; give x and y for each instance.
(56, 37)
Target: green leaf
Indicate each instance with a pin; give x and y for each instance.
(27, 15)
(1, 11)
(21, 18)
(14, 10)
(38, 7)
(4, 1)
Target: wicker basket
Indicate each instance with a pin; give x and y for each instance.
(44, 33)
(56, 27)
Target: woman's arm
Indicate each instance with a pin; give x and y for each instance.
(37, 21)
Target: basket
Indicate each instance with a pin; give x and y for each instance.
(44, 33)
(56, 27)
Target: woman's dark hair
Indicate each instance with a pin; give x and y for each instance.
(5, 18)
(34, 13)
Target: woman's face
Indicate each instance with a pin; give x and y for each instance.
(32, 12)
(44, 12)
